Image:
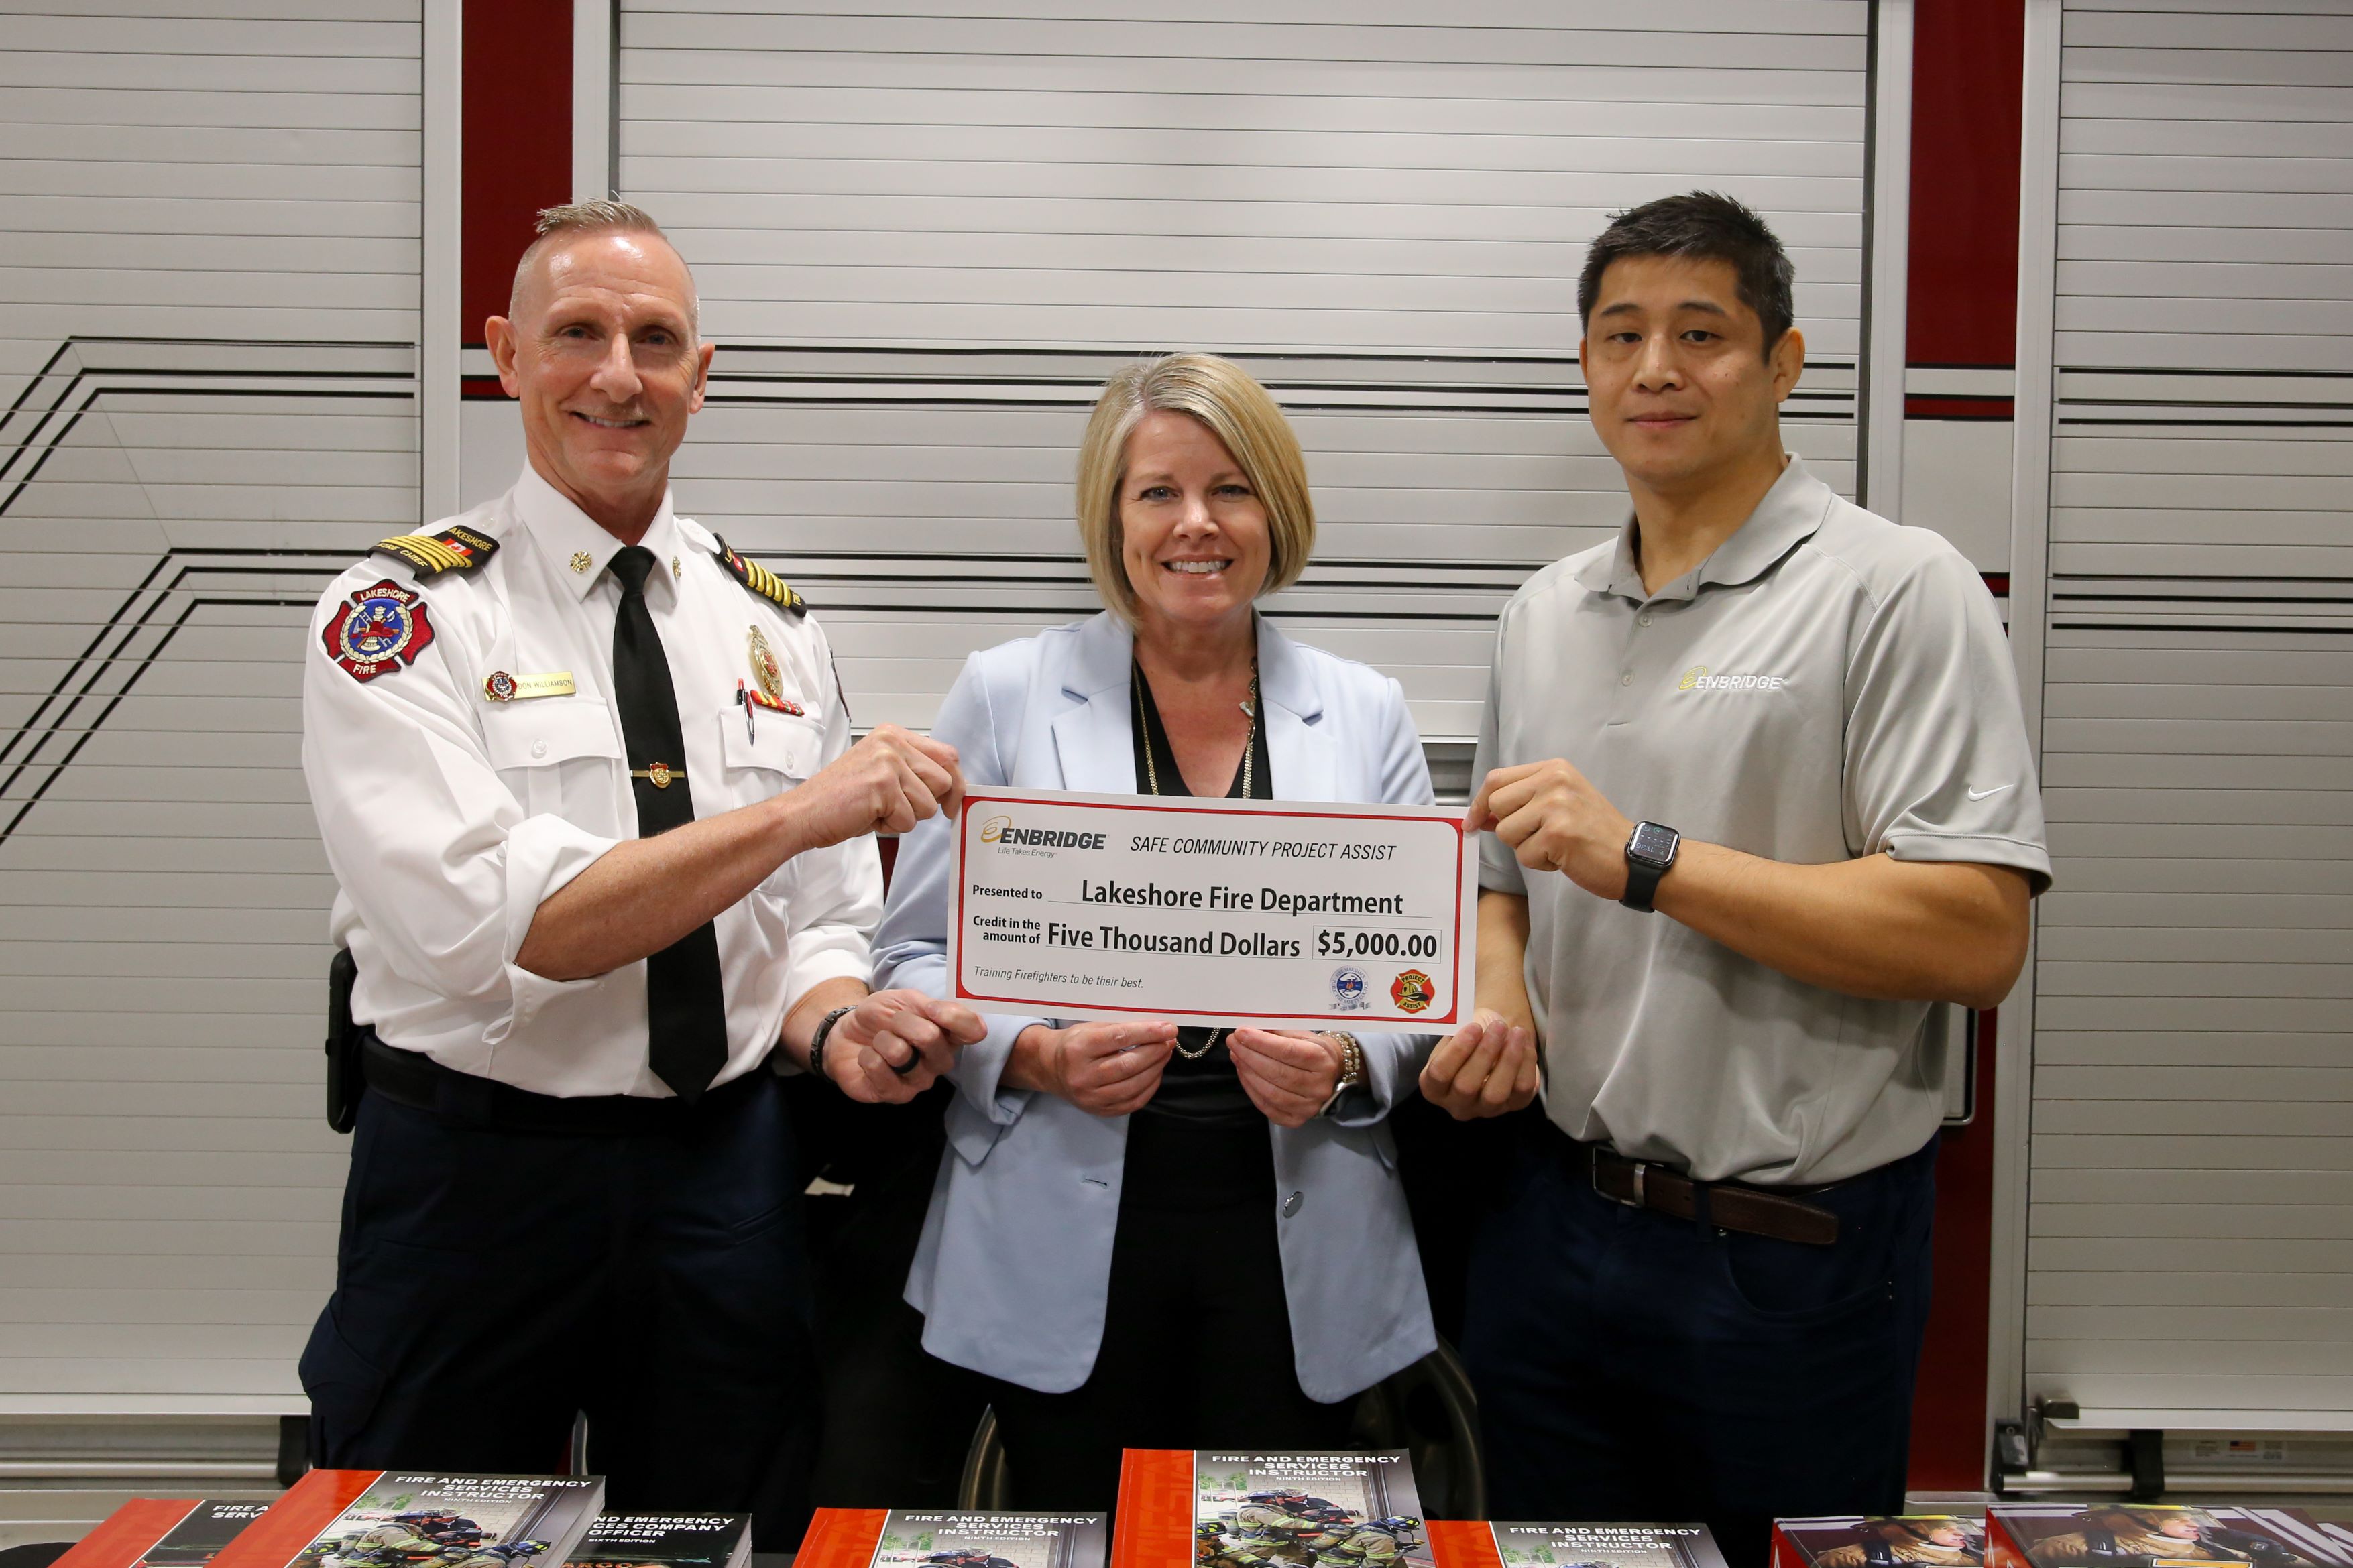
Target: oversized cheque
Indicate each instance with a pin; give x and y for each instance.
(1286, 914)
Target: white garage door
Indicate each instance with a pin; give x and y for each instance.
(208, 314)
(926, 234)
(2192, 1181)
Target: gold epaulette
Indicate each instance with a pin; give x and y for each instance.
(761, 581)
(458, 550)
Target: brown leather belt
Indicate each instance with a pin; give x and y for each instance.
(1731, 1206)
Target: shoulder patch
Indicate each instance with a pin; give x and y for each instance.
(759, 580)
(459, 549)
(378, 631)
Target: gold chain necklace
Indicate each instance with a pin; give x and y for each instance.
(1152, 782)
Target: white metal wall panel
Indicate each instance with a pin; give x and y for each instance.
(923, 240)
(208, 318)
(2191, 1252)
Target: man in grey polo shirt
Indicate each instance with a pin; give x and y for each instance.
(1759, 793)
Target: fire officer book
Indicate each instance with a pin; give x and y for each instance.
(944, 1538)
(1211, 1509)
(666, 1540)
(2160, 1535)
(164, 1532)
(388, 1518)
(1542, 1544)
(1880, 1540)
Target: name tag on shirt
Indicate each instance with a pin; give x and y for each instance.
(500, 687)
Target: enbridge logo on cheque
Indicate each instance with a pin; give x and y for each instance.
(1004, 830)
(1698, 678)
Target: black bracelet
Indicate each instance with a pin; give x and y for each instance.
(816, 1042)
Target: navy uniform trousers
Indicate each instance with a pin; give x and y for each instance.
(1632, 1366)
(492, 1282)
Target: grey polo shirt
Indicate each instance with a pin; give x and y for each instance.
(1825, 685)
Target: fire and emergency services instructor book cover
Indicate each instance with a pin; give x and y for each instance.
(1230, 1508)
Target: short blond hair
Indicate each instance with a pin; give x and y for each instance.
(1238, 412)
(556, 225)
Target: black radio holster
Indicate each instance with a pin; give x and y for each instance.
(345, 1078)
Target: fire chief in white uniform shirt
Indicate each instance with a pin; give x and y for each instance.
(604, 847)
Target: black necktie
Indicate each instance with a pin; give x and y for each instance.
(685, 1004)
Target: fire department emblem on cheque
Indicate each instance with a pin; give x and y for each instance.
(1412, 991)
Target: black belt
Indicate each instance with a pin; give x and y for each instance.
(417, 1080)
(1729, 1206)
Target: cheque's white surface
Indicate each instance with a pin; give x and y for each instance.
(1273, 913)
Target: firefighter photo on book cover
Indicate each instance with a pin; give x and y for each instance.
(419, 1528)
(2144, 1535)
(1944, 1540)
(1306, 1511)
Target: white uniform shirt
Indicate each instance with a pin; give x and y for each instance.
(1825, 686)
(450, 818)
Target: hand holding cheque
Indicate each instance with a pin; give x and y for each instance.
(1553, 819)
(1112, 1068)
(1548, 812)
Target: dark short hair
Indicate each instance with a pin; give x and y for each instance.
(1706, 225)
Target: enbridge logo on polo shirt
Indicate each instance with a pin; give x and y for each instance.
(1699, 679)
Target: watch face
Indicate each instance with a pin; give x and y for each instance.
(1651, 842)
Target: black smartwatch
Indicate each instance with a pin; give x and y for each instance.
(1650, 853)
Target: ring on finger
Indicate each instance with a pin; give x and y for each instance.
(915, 1060)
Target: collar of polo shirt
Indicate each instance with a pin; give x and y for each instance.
(569, 535)
(1786, 518)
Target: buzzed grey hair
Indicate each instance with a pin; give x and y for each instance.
(557, 224)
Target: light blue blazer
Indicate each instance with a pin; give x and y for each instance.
(1015, 1261)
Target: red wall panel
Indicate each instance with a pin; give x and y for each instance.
(1967, 84)
(517, 140)
(1968, 70)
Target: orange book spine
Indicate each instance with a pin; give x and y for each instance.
(123, 1536)
(1463, 1544)
(1155, 1525)
(295, 1519)
(841, 1538)
(2002, 1549)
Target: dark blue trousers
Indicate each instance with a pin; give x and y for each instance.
(1634, 1367)
(490, 1283)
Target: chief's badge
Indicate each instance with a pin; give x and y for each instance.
(767, 676)
(378, 631)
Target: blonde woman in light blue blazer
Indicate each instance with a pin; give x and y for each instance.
(1144, 1236)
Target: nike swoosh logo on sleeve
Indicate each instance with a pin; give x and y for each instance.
(1981, 794)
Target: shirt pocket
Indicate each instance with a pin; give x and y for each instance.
(540, 747)
(786, 745)
(781, 751)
